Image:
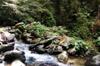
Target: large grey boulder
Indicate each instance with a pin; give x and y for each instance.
(6, 41)
(11, 56)
(93, 61)
(6, 37)
(63, 57)
(5, 48)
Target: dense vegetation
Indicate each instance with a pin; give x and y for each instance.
(79, 18)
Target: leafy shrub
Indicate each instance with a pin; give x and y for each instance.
(36, 11)
(97, 42)
(80, 46)
(59, 30)
(82, 26)
(40, 30)
(25, 10)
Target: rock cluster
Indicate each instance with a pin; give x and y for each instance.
(6, 41)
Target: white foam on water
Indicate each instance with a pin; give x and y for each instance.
(2, 64)
(39, 57)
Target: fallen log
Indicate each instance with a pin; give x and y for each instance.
(44, 42)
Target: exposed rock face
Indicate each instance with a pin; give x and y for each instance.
(6, 41)
(93, 61)
(66, 41)
(6, 37)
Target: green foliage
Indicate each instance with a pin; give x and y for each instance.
(39, 29)
(77, 16)
(80, 46)
(81, 28)
(59, 30)
(97, 42)
(46, 17)
(25, 10)
(36, 11)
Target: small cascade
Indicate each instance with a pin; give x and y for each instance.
(32, 58)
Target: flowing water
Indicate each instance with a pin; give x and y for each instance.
(36, 57)
(31, 58)
(45, 58)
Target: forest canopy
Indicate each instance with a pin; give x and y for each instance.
(78, 16)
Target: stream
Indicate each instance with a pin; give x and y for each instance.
(32, 58)
(36, 57)
(50, 60)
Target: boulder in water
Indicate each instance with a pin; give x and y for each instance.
(30, 60)
(40, 49)
(10, 56)
(54, 49)
(93, 61)
(37, 48)
(51, 49)
(8, 47)
(63, 57)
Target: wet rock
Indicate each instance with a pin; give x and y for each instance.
(1, 60)
(51, 49)
(54, 49)
(8, 47)
(48, 64)
(9, 57)
(30, 60)
(93, 61)
(63, 57)
(38, 48)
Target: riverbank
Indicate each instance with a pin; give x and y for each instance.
(48, 58)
